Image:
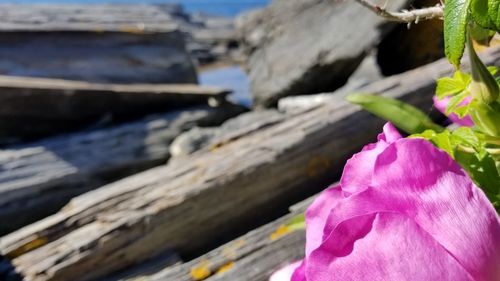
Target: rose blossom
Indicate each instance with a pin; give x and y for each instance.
(404, 210)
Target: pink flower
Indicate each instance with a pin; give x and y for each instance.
(441, 105)
(404, 210)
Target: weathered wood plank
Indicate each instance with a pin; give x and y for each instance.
(251, 257)
(59, 16)
(34, 107)
(204, 35)
(97, 55)
(196, 202)
(37, 179)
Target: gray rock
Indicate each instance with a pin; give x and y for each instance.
(367, 72)
(206, 138)
(299, 47)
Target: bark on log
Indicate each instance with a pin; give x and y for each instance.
(34, 107)
(192, 204)
(37, 179)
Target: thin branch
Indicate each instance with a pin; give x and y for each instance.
(411, 16)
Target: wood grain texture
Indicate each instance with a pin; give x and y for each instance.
(187, 206)
(206, 36)
(35, 107)
(253, 256)
(37, 179)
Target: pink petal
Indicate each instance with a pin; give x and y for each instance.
(442, 104)
(382, 247)
(390, 133)
(285, 273)
(300, 273)
(358, 171)
(414, 178)
(317, 214)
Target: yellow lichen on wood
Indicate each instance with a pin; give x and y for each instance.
(36, 243)
(133, 29)
(201, 271)
(281, 231)
(225, 267)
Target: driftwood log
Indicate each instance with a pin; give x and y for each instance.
(96, 53)
(33, 107)
(208, 197)
(204, 34)
(251, 257)
(39, 178)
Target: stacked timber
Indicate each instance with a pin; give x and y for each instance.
(201, 200)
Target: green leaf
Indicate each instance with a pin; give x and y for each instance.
(494, 13)
(480, 34)
(484, 87)
(479, 10)
(441, 140)
(448, 86)
(467, 136)
(492, 69)
(455, 102)
(296, 223)
(456, 15)
(486, 117)
(483, 171)
(462, 111)
(404, 116)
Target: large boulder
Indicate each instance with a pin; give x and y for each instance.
(307, 46)
(367, 72)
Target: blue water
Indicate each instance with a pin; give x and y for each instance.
(232, 77)
(215, 7)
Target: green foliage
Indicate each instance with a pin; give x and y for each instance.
(484, 87)
(471, 149)
(483, 17)
(296, 223)
(479, 10)
(494, 12)
(456, 17)
(459, 87)
(487, 117)
(481, 35)
(449, 86)
(404, 116)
